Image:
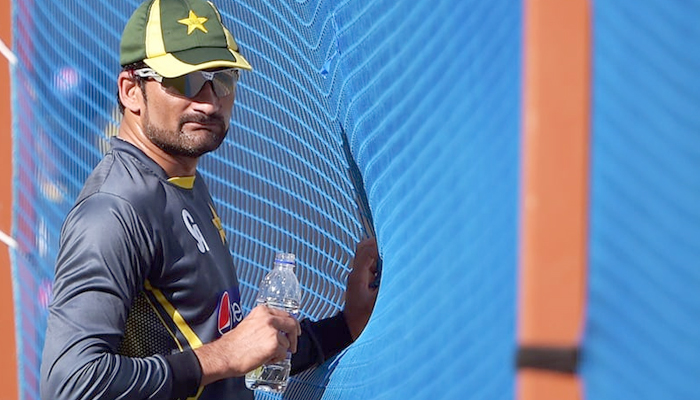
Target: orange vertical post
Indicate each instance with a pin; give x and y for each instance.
(554, 198)
(8, 367)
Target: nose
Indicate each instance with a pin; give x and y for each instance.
(206, 99)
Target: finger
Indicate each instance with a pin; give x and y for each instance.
(283, 340)
(364, 264)
(288, 340)
(278, 312)
(367, 247)
(372, 268)
(279, 355)
(282, 313)
(287, 318)
(371, 244)
(370, 241)
(363, 246)
(366, 271)
(258, 309)
(293, 340)
(286, 323)
(367, 252)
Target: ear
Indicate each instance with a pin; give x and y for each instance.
(130, 92)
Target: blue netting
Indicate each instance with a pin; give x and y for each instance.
(428, 94)
(643, 322)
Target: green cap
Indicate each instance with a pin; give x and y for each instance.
(176, 37)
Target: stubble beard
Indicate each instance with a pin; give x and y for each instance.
(187, 144)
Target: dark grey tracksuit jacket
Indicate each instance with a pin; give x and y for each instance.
(143, 276)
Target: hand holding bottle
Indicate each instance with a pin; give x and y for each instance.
(280, 292)
(266, 335)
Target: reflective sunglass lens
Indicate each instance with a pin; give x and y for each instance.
(223, 82)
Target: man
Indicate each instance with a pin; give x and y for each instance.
(146, 299)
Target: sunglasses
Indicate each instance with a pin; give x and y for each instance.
(223, 82)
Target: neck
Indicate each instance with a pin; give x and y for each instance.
(131, 131)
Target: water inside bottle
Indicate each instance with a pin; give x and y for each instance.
(270, 377)
(273, 377)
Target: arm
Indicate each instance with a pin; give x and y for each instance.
(324, 339)
(105, 254)
(265, 335)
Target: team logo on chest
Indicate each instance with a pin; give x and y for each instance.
(194, 231)
(217, 223)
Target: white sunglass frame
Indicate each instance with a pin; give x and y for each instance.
(208, 75)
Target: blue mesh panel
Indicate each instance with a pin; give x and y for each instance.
(643, 324)
(432, 114)
(428, 96)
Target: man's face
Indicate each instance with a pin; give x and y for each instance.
(181, 126)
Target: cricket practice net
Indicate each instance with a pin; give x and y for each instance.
(425, 97)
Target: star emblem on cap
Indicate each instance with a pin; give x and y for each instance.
(194, 22)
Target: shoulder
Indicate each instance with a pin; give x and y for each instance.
(118, 198)
(104, 217)
(121, 178)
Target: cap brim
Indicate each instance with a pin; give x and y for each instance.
(171, 65)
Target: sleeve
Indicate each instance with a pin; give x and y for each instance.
(105, 254)
(320, 341)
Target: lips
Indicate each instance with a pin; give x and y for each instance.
(205, 122)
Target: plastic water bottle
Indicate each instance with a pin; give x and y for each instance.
(279, 289)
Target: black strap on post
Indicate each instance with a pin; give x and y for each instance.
(561, 359)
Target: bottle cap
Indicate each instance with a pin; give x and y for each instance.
(285, 258)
